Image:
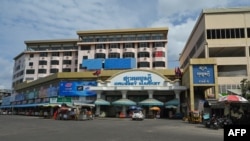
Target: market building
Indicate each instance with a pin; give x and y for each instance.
(114, 69)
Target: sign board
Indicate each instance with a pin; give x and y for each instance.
(203, 74)
(137, 78)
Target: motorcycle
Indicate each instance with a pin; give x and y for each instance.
(212, 123)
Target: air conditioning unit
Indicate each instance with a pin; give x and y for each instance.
(88, 51)
(145, 48)
(67, 57)
(31, 66)
(155, 48)
(110, 49)
(145, 58)
(125, 49)
(42, 57)
(100, 50)
(42, 66)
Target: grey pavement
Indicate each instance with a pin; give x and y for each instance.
(25, 128)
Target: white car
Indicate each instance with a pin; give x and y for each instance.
(137, 115)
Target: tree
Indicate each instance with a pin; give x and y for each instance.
(244, 87)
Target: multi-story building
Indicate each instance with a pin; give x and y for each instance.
(94, 50)
(220, 38)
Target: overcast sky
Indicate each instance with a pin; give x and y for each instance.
(22, 20)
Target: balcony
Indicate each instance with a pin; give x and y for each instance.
(43, 58)
(159, 59)
(100, 50)
(67, 57)
(67, 66)
(54, 66)
(129, 50)
(55, 58)
(42, 66)
(143, 59)
(159, 49)
(114, 50)
(144, 49)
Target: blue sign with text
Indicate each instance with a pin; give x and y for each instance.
(203, 74)
(77, 88)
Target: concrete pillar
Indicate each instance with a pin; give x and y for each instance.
(98, 107)
(124, 95)
(177, 96)
(150, 94)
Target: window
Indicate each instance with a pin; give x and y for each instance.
(128, 45)
(100, 46)
(159, 44)
(225, 33)
(128, 55)
(53, 70)
(143, 64)
(159, 64)
(42, 71)
(67, 54)
(30, 71)
(85, 57)
(159, 54)
(55, 54)
(66, 70)
(54, 62)
(158, 36)
(114, 55)
(248, 32)
(143, 54)
(100, 55)
(114, 46)
(143, 44)
(85, 47)
(42, 62)
(31, 55)
(43, 54)
(66, 62)
(30, 63)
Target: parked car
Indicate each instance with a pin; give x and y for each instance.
(137, 115)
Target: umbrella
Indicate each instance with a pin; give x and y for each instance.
(170, 106)
(151, 102)
(174, 102)
(232, 98)
(123, 102)
(155, 108)
(101, 102)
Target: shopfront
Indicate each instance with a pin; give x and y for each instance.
(145, 88)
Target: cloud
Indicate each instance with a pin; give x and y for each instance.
(22, 20)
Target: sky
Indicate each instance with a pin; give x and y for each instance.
(24, 20)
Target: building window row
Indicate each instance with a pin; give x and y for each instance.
(127, 37)
(128, 54)
(55, 54)
(147, 64)
(51, 47)
(226, 33)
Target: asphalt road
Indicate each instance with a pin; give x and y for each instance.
(24, 128)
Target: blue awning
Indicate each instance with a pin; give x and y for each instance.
(174, 102)
(151, 102)
(101, 102)
(123, 102)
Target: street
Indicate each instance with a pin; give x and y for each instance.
(14, 128)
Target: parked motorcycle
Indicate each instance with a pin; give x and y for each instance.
(224, 121)
(212, 123)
